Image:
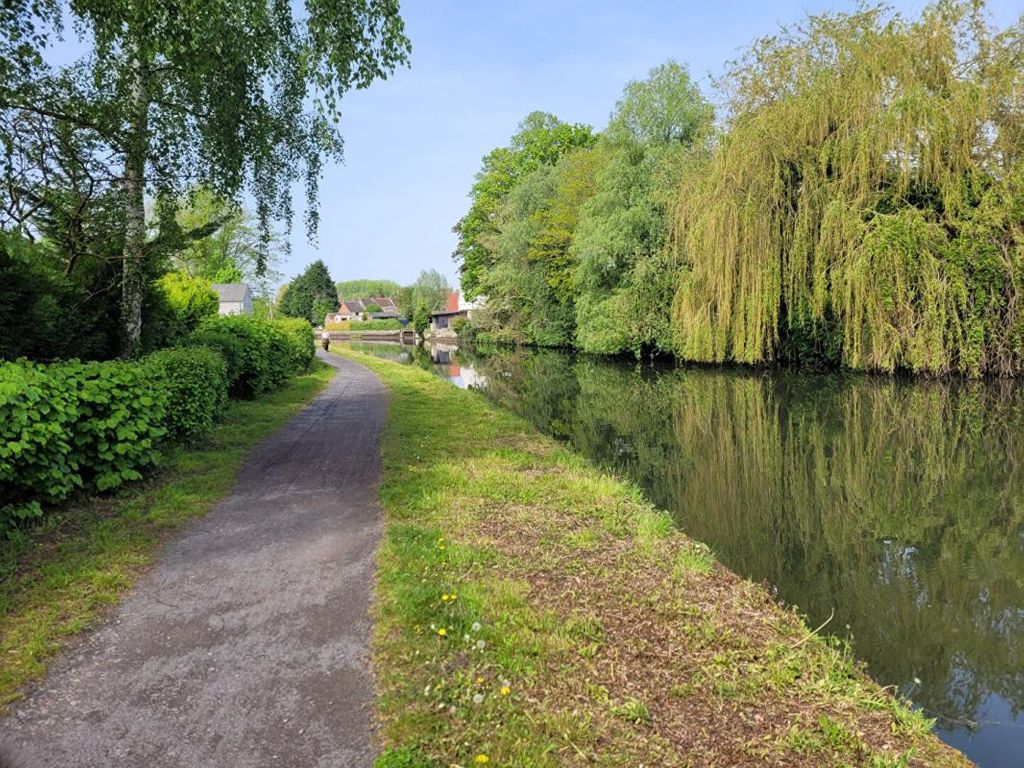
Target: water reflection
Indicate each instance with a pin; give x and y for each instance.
(898, 506)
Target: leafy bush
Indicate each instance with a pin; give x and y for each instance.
(196, 383)
(121, 421)
(225, 343)
(260, 353)
(93, 426)
(190, 300)
(74, 425)
(300, 337)
(251, 373)
(37, 417)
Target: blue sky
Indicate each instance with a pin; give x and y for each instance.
(414, 142)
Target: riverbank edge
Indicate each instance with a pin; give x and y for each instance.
(63, 576)
(532, 610)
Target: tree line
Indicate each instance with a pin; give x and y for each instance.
(858, 201)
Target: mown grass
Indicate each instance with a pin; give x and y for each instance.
(60, 577)
(533, 611)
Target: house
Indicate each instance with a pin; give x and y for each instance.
(455, 307)
(235, 298)
(354, 309)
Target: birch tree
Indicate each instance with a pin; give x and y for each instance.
(237, 95)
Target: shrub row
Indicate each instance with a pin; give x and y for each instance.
(260, 354)
(365, 325)
(93, 426)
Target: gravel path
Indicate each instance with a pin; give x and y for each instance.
(247, 642)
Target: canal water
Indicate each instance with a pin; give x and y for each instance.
(893, 510)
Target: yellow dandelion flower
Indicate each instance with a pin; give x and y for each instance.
(482, 758)
(479, 680)
(442, 632)
(444, 598)
(505, 690)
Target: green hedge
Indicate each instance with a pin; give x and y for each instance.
(93, 426)
(196, 383)
(72, 426)
(260, 353)
(376, 325)
(300, 336)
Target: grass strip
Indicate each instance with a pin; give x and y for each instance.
(534, 611)
(60, 577)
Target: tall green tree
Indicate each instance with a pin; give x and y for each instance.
(532, 289)
(209, 91)
(223, 242)
(541, 139)
(626, 278)
(311, 295)
(430, 290)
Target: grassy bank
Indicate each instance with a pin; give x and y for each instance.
(60, 577)
(532, 610)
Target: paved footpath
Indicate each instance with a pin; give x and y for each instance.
(247, 642)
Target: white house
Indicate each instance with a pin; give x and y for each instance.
(235, 298)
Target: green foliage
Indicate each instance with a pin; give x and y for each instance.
(302, 347)
(228, 345)
(29, 305)
(666, 108)
(73, 426)
(865, 205)
(46, 314)
(577, 245)
(375, 325)
(358, 289)
(371, 307)
(190, 300)
(260, 354)
(431, 289)
(196, 383)
(421, 318)
(94, 426)
(311, 295)
(541, 139)
(406, 757)
(221, 241)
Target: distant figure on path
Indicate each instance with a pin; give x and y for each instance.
(325, 339)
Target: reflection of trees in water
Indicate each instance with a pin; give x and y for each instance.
(900, 505)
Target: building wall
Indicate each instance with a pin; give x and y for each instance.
(236, 307)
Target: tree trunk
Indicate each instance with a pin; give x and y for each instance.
(135, 212)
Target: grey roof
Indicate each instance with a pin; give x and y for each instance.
(231, 292)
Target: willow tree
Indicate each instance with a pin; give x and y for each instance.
(866, 202)
(239, 95)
